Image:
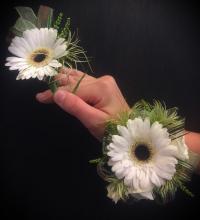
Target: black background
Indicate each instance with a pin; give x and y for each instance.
(152, 49)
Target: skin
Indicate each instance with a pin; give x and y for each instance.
(95, 101)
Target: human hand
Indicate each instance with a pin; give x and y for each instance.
(95, 101)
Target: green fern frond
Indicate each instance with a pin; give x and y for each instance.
(58, 21)
(66, 30)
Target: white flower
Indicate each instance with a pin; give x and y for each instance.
(36, 53)
(182, 148)
(143, 156)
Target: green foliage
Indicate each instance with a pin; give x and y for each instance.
(158, 112)
(53, 84)
(119, 188)
(58, 21)
(111, 128)
(66, 30)
(95, 161)
(75, 53)
(78, 83)
(167, 192)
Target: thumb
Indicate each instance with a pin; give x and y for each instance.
(77, 107)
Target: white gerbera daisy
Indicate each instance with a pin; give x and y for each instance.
(36, 53)
(143, 156)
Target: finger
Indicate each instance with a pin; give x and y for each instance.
(73, 72)
(67, 84)
(89, 93)
(63, 77)
(75, 106)
(45, 97)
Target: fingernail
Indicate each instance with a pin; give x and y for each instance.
(59, 96)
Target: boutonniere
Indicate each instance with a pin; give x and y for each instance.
(43, 45)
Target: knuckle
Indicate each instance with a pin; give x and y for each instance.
(107, 81)
(109, 78)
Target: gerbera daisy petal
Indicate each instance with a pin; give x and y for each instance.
(118, 140)
(124, 132)
(147, 195)
(144, 179)
(58, 42)
(162, 174)
(59, 51)
(15, 59)
(55, 64)
(157, 181)
(170, 150)
(15, 51)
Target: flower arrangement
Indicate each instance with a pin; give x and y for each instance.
(42, 46)
(144, 154)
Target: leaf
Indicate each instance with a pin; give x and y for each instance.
(21, 25)
(27, 14)
(15, 32)
(95, 161)
(44, 17)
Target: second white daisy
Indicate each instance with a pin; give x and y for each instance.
(143, 156)
(36, 53)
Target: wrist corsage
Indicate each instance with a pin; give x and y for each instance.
(144, 154)
(42, 45)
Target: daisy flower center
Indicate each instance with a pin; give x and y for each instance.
(142, 152)
(40, 57)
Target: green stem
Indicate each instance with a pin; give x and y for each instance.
(53, 86)
(95, 161)
(78, 83)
